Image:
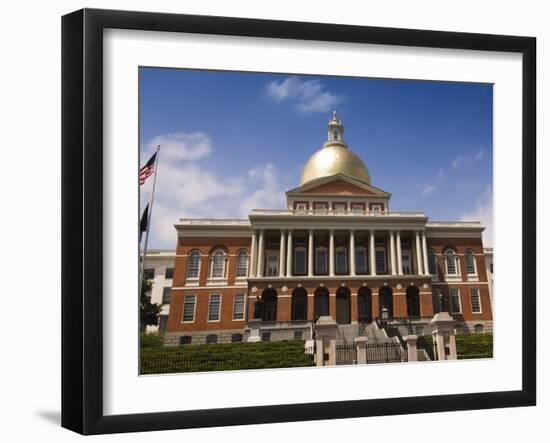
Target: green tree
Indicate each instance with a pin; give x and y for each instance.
(149, 312)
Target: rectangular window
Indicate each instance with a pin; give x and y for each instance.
(272, 265)
(169, 273)
(266, 336)
(238, 307)
(340, 208)
(300, 261)
(214, 307)
(376, 208)
(341, 261)
(189, 307)
(380, 262)
(320, 208)
(298, 335)
(166, 292)
(361, 261)
(321, 261)
(475, 300)
(436, 301)
(491, 267)
(301, 207)
(455, 301)
(357, 209)
(149, 274)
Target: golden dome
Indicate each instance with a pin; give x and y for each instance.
(334, 158)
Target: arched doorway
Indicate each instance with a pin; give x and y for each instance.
(269, 299)
(320, 303)
(364, 305)
(343, 306)
(299, 304)
(385, 301)
(413, 302)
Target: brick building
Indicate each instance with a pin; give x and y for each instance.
(338, 250)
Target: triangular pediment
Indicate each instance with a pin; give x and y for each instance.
(338, 185)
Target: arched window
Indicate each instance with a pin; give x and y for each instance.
(470, 262)
(364, 305)
(450, 259)
(193, 264)
(299, 304)
(218, 265)
(413, 301)
(432, 262)
(242, 263)
(321, 305)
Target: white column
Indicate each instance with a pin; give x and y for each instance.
(352, 252)
(399, 255)
(372, 254)
(282, 254)
(289, 255)
(425, 253)
(392, 254)
(252, 270)
(261, 253)
(418, 254)
(310, 254)
(331, 254)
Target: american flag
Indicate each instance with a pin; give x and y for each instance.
(147, 170)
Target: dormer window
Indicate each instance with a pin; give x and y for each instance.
(301, 208)
(376, 208)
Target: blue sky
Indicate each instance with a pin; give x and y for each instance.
(233, 141)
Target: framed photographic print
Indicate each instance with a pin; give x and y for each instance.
(269, 221)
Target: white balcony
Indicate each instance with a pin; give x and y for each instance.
(336, 213)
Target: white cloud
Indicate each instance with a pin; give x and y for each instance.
(307, 95)
(468, 159)
(483, 213)
(427, 190)
(182, 146)
(186, 188)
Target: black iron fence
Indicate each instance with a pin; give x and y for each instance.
(385, 353)
(346, 354)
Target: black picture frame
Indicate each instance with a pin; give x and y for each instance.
(82, 215)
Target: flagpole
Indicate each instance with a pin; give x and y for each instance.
(149, 220)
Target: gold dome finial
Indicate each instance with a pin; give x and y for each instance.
(334, 158)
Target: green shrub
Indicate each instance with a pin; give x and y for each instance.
(224, 357)
(151, 340)
(468, 345)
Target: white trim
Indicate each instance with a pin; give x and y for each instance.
(459, 283)
(451, 301)
(194, 308)
(219, 309)
(479, 300)
(187, 278)
(244, 306)
(224, 265)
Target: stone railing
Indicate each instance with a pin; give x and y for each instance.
(336, 213)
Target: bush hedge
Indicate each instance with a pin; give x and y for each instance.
(224, 357)
(468, 345)
(151, 340)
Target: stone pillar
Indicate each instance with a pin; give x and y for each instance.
(331, 254)
(444, 336)
(253, 252)
(289, 255)
(425, 254)
(325, 339)
(399, 254)
(412, 352)
(254, 326)
(392, 254)
(361, 344)
(372, 255)
(282, 254)
(352, 252)
(418, 254)
(261, 253)
(310, 254)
